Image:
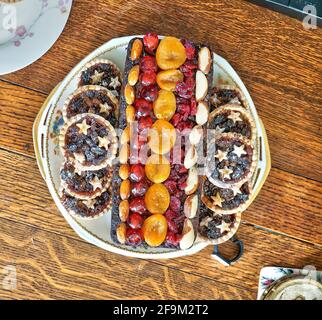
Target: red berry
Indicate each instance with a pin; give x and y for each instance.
(172, 238)
(143, 108)
(193, 107)
(137, 205)
(139, 188)
(134, 236)
(190, 49)
(176, 119)
(148, 77)
(175, 204)
(137, 172)
(171, 185)
(145, 123)
(149, 93)
(172, 226)
(148, 63)
(169, 214)
(135, 220)
(151, 41)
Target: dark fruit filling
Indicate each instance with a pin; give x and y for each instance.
(86, 208)
(210, 230)
(233, 167)
(102, 74)
(220, 97)
(230, 201)
(81, 182)
(223, 122)
(93, 101)
(87, 146)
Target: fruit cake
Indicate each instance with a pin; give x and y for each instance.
(156, 185)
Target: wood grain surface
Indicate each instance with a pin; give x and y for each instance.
(280, 64)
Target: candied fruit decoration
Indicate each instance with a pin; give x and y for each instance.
(150, 41)
(162, 137)
(157, 168)
(137, 172)
(157, 199)
(137, 205)
(143, 108)
(134, 236)
(164, 106)
(171, 53)
(148, 63)
(135, 220)
(155, 230)
(136, 50)
(148, 77)
(168, 79)
(149, 93)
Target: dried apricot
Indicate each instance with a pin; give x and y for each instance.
(164, 106)
(168, 79)
(155, 230)
(157, 198)
(171, 53)
(157, 168)
(162, 136)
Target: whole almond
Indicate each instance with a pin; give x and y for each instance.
(129, 94)
(124, 171)
(121, 232)
(133, 76)
(124, 210)
(136, 50)
(125, 189)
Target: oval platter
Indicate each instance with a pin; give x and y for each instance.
(46, 131)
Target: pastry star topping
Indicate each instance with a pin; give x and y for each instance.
(217, 200)
(90, 203)
(235, 116)
(96, 183)
(239, 151)
(236, 190)
(205, 221)
(224, 226)
(103, 142)
(225, 173)
(79, 157)
(221, 155)
(115, 83)
(105, 108)
(97, 76)
(83, 127)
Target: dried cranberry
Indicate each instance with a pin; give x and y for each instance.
(190, 83)
(137, 205)
(172, 238)
(183, 108)
(148, 63)
(188, 66)
(137, 172)
(149, 93)
(180, 100)
(148, 77)
(135, 220)
(176, 119)
(190, 49)
(145, 123)
(134, 236)
(143, 108)
(151, 41)
(185, 126)
(169, 214)
(179, 193)
(183, 90)
(172, 226)
(193, 107)
(171, 185)
(138, 189)
(175, 204)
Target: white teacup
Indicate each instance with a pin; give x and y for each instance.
(16, 18)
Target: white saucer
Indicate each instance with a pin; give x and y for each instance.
(29, 44)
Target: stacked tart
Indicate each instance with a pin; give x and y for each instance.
(89, 142)
(164, 98)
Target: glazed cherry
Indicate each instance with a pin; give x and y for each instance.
(149, 93)
(145, 123)
(137, 172)
(148, 63)
(135, 220)
(148, 77)
(143, 108)
(134, 236)
(139, 188)
(137, 205)
(151, 41)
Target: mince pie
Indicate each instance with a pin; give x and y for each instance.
(92, 99)
(85, 184)
(231, 160)
(102, 72)
(89, 142)
(225, 201)
(221, 95)
(89, 208)
(216, 228)
(232, 118)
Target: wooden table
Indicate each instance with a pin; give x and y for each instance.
(281, 65)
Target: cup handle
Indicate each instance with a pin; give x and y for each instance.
(225, 261)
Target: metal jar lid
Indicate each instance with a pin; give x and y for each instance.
(294, 287)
